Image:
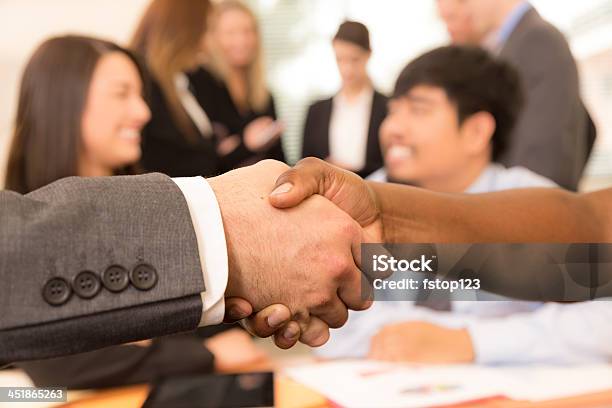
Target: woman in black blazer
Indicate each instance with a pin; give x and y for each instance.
(165, 147)
(237, 62)
(213, 95)
(344, 129)
(316, 133)
(182, 138)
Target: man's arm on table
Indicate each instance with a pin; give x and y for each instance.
(552, 334)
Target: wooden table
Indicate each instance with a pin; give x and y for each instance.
(290, 394)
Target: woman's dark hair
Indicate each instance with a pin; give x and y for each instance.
(473, 80)
(355, 33)
(52, 97)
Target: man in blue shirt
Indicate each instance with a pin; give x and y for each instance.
(448, 121)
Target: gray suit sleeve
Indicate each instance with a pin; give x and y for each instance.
(91, 262)
(550, 137)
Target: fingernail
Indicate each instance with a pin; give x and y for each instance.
(275, 320)
(282, 189)
(290, 332)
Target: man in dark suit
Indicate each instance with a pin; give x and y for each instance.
(90, 262)
(343, 129)
(555, 134)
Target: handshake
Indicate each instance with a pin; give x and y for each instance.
(294, 244)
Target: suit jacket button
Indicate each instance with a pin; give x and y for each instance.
(86, 284)
(115, 278)
(143, 276)
(56, 291)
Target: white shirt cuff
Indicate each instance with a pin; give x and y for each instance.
(208, 225)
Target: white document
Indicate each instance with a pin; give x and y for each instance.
(363, 383)
(541, 383)
(375, 384)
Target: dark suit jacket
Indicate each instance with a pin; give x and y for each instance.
(50, 236)
(273, 152)
(316, 132)
(555, 133)
(166, 149)
(214, 97)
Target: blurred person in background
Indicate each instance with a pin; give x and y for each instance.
(80, 113)
(555, 133)
(451, 115)
(343, 129)
(235, 57)
(184, 136)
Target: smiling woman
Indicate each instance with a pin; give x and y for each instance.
(114, 115)
(80, 113)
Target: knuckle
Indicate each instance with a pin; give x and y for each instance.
(273, 163)
(339, 319)
(340, 267)
(364, 305)
(310, 161)
(302, 317)
(274, 166)
(322, 302)
(348, 228)
(288, 175)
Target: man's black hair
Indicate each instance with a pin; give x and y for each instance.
(474, 81)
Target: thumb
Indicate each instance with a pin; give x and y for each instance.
(297, 184)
